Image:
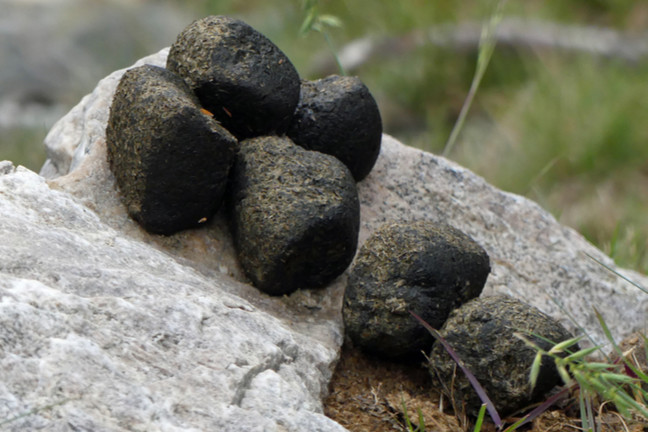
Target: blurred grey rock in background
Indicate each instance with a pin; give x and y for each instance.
(52, 52)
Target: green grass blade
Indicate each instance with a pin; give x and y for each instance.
(585, 412)
(480, 418)
(630, 281)
(631, 403)
(579, 355)
(562, 371)
(329, 42)
(535, 369)
(330, 20)
(619, 378)
(562, 346)
(421, 427)
(406, 416)
(617, 349)
(309, 21)
(596, 366)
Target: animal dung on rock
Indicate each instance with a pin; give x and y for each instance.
(239, 75)
(173, 137)
(170, 159)
(423, 267)
(295, 215)
(483, 334)
(338, 116)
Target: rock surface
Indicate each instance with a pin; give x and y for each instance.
(427, 268)
(114, 335)
(483, 334)
(106, 321)
(295, 215)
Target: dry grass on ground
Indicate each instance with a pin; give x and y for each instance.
(367, 395)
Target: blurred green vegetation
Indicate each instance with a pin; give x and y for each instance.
(563, 128)
(23, 146)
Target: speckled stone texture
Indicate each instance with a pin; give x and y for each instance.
(483, 334)
(295, 215)
(238, 74)
(100, 331)
(338, 116)
(171, 160)
(424, 267)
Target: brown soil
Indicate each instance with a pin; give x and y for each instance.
(371, 395)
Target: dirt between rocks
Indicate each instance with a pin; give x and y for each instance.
(369, 395)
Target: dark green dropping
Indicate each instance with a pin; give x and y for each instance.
(483, 334)
(338, 116)
(238, 74)
(295, 215)
(423, 267)
(171, 159)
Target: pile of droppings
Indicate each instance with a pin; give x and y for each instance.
(229, 121)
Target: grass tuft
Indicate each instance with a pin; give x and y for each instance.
(314, 21)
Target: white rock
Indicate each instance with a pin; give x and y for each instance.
(104, 327)
(121, 336)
